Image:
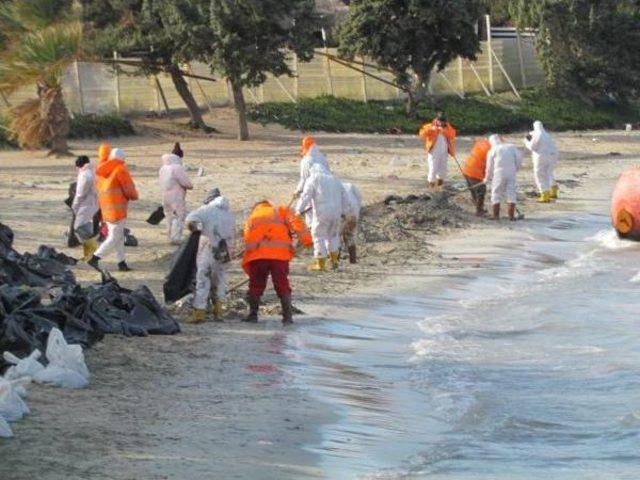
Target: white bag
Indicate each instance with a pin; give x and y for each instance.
(25, 367)
(5, 429)
(12, 407)
(66, 367)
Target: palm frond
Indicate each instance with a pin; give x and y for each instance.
(40, 57)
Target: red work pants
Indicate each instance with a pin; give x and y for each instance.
(259, 271)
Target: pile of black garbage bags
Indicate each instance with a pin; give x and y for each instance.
(39, 292)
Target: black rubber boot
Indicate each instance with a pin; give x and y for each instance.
(496, 211)
(353, 258)
(94, 262)
(287, 310)
(512, 212)
(254, 305)
(123, 267)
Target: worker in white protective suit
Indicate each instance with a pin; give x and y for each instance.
(311, 155)
(215, 250)
(503, 162)
(545, 156)
(85, 206)
(174, 184)
(350, 219)
(324, 195)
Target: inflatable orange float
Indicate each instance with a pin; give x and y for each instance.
(625, 205)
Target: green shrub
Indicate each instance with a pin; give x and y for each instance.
(99, 126)
(473, 115)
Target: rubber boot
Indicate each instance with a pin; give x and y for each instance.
(197, 316)
(353, 257)
(512, 212)
(545, 197)
(335, 260)
(217, 311)
(123, 267)
(287, 310)
(554, 191)
(319, 265)
(90, 247)
(94, 262)
(254, 305)
(496, 211)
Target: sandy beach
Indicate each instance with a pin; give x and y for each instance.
(219, 400)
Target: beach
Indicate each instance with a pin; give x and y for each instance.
(233, 400)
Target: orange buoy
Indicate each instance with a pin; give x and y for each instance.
(625, 205)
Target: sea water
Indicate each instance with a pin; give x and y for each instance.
(525, 365)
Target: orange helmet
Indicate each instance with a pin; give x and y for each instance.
(103, 152)
(307, 143)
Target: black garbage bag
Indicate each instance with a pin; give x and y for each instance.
(180, 280)
(129, 239)
(157, 216)
(108, 310)
(17, 298)
(45, 251)
(147, 314)
(23, 331)
(51, 271)
(70, 307)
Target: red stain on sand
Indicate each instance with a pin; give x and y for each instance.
(262, 368)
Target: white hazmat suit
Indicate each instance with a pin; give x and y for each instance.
(544, 154)
(437, 160)
(85, 203)
(325, 195)
(503, 162)
(217, 223)
(314, 156)
(351, 214)
(174, 184)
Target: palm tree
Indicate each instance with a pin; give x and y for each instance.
(38, 40)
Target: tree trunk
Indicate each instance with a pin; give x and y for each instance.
(183, 90)
(241, 110)
(417, 94)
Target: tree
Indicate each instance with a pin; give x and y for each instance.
(38, 40)
(253, 38)
(587, 47)
(411, 37)
(165, 34)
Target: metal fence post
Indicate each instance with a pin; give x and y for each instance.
(79, 85)
(461, 75)
(490, 49)
(116, 82)
(326, 51)
(523, 75)
(296, 91)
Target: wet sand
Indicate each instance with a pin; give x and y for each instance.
(219, 401)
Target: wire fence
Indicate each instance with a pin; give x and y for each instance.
(504, 64)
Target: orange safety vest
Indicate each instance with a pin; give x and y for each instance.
(268, 234)
(430, 131)
(115, 188)
(476, 164)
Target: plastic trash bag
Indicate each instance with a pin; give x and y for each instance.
(148, 315)
(27, 367)
(129, 239)
(156, 216)
(67, 367)
(181, 278)
(12, 407)
(51, 253)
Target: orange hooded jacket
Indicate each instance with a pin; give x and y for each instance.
(115, 189)
(268, 234)
(476, 164)
(429, 133)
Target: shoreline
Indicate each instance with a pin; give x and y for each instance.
(218, 400)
